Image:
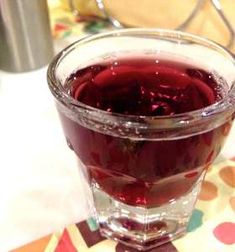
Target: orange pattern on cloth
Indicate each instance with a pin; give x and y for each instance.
(36, 246)
(232, 203)
(209, 191)
(227, 174)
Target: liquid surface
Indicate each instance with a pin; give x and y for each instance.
(144, 173)
(144, 87)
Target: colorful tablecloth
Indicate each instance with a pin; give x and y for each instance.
(66, 25)
(211, 228)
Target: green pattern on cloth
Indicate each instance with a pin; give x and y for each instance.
(195, 220)
(92, 224)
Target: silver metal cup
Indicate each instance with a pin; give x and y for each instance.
(25, 35)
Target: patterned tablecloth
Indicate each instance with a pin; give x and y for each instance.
(212, 226)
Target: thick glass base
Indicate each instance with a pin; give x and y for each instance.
(143, 228)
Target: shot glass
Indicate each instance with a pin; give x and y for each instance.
(144, 172)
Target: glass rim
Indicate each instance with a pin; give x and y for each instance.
(226, 104)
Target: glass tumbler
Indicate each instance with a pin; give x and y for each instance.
(144, 173)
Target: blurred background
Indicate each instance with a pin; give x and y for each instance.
(208, 18)
(61, 22)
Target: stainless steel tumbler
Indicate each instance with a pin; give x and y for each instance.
(25, 35)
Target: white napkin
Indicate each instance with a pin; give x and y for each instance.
(40, 189)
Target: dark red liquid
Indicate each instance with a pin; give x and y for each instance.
(144, 173)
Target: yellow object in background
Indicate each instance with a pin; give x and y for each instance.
(163, 14)
(83, 7)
